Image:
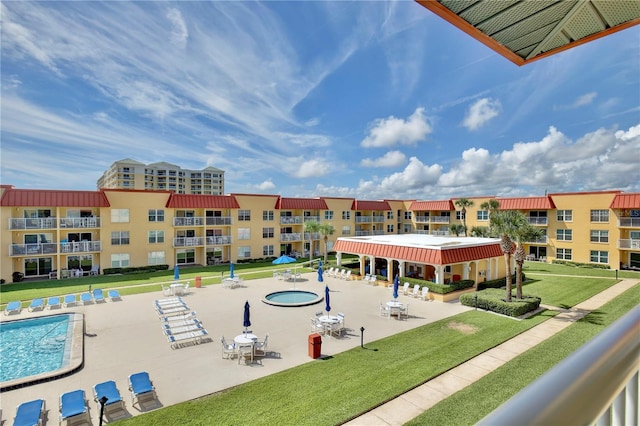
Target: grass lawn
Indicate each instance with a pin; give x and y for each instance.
(473, 403)
(550, 268)
(563, 291)
(330, 391)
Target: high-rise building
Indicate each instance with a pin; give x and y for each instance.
(131, 174)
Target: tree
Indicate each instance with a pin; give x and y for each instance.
(463, 203)
(325, 230)
(479, 231)
(456, 229)
(490, 206)
(311, 227)
(523, 234)
(506, 223)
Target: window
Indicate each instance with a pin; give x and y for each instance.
(244, 215)
(389, 215)
(407, 215)
(598, 236)
(156, 237)
(120, 216)
(267, 250)
(267, 232)
(346, 215)
(458, 215)
(346, 230)
(244, 252)
(407, 228)
(599, 256)
(564, 254)
(119, 238)
(564, 215)
(156, 215)
(483, 214)
(244, 233)
(328, 215)
(599, 215)
(187, 256)
(120, 260)
(155, 258)
(564, 234)
(389, 229)
(267, 215)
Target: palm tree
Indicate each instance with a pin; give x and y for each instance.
(524, 233)
(325, 230)
(456, 229)
(311, 227)
(506, 223)
(463, 203)
(490, 206)
(479, 231)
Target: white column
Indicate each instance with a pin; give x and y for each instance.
(339, 258)
(389, 269)
(439, 274)
(465, 270)
(401, 268)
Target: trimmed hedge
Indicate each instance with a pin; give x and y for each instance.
(580, 265)
(492, 299)
(499, 283)
(135, 270)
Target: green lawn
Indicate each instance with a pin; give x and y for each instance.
(550, 268)
(563, 291)
(473, 403)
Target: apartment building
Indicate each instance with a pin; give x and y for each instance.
(47, 230)
(131, 174)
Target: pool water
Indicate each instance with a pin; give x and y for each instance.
(292, 298)
(34, 346)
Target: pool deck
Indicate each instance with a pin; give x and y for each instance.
(125, 337)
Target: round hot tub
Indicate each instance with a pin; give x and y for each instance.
(292, 298)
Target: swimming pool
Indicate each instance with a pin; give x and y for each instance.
(292, 298)
(38, 349)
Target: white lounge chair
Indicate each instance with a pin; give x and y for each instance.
(109, 390)
(173, 331)
(179, 340)
(73, 407)
(114, 295)
(183, 317)
(36, 304)
(416, 291)
(425, 293)
(141, 387)
(347, 276)
(69, 299)
(30, 413)
(405, 288)
(53, 302)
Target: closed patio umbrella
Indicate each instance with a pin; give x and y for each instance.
(176, 273)
(246, 323)
(320, 279)
(396, 284)
(327, 306)
(231, 270)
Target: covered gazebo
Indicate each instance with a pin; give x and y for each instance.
(433, 258)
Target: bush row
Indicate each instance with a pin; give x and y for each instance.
(499, 283)
(135, 270)
(493, 300)
(581, 265)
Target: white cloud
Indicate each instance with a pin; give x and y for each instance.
(390, 159)
(585, 99)
(267, 185)
(482, 111)
(179, 32)
(632, 133)
(393, 131)
(311, 168)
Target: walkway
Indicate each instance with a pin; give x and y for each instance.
(413, 403)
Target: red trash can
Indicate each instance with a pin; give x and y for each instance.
(315, 345)
(198, 282)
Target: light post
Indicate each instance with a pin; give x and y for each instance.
(103, 400)
(362, 337)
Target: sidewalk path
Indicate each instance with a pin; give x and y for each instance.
(413, 403)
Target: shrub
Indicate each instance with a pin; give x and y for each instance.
(135, 270)
(492, 299)
(580, 265)
(498, 283)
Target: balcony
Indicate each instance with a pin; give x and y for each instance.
(312, 218)
(363, 219)
(219, 240)
(314, 236)
(362, 233)
(629, 222)
(188, 221)
(80, 222)
(291, 237)
(378, 232)
(291, 220)
(378, 219)
(440, 219)
(538, 220)
(219, 220)
(33, 223)
(188, 241)
(629, 244)
(32, 249)
(81, 246)
(421, 219)
(541, 240)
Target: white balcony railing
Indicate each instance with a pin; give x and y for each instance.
(538, 220)
(440, 219)
(33, 223)
(219, 220)
(219, 240)
(188, 221)
(312, 218)
(291, 237)
(188, 241)
(630, 222)
(422, 219)
(80, 246)
(79, 222)
(629, 244)
(362, 233)
(291, 220)
(541, 240)
(363, 219)
(32, 249)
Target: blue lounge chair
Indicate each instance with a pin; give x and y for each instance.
(114, 399)
(13, 308)
(53, 302)
(30, 413)
(141, 387)
(73, 407)
(86, 298)
(69, 299)
(36, 304)
(113, 294)
(98, 296)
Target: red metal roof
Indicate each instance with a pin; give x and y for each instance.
(285, 203)
(434, 256)
(360, 205)
(526, 203)
(189, 201)
(442, 205)
(626, 201)
(53, 198)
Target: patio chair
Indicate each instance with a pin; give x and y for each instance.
(403, 312)
(114, 399)
(347, 276)
(373, 280)
(114, 295)
(425, 293)
(141, 387)
(166, 290)
(416, 291)
(73, 407)
(385, 312)
(53, 302)
(366, 278)
(228, 349)
(69, 299)
(186, 289)
(98, 295)
(405, 288)
(316, 326)
(13, 308)
(86, 298)
(36, 304)
(260, 347)
(30, 413)
(95, 270)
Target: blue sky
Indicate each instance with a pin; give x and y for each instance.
(371, 100)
